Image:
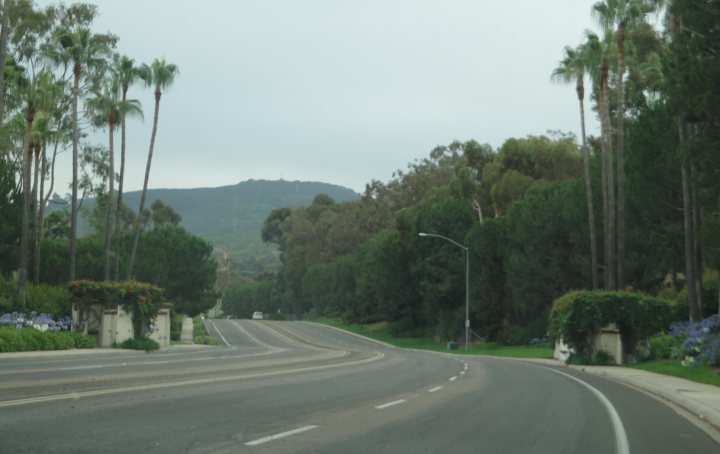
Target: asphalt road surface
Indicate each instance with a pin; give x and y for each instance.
(280, 387)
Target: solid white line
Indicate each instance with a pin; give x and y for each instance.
(220, 334)
(262, 440)
(390, 404)
(437, 388)
(621, 441)
(453, 378)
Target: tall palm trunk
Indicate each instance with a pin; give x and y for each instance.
(3, 53)
(25, 233)
(609, 193)
(136, 238)
(620, 38)
(111, 195)
(74, 202)
(120, 184)
(580, 88)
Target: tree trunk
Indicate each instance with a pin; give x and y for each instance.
(120, 187)
(34, 204)
(3, 54)
(74, 203)
(609, 182)
(694, 309)
(39, 218)
(588, 187)
(136, 238)
(111, 194)
(697, 249)
(620, 159)
(25, 233)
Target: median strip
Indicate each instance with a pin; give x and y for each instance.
(262, 440)
(390, 404)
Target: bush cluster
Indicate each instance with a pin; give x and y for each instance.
(24, 340)
(140, 343)
(205, 340)
(578, 316)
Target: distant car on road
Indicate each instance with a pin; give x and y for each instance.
(257, 315)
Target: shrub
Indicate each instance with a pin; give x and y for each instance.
(206, 340)
(41, 298)
(26, 339)
(522, 335)
(662, 346)
(578, 316)
(176, 321)
(140, 343)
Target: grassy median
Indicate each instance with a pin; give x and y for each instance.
(379, 331)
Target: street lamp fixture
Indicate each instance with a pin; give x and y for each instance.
(467, 281)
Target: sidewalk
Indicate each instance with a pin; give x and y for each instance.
(699, 399)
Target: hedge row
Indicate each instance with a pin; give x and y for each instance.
(29, 339)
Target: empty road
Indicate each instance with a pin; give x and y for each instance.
(302, 387)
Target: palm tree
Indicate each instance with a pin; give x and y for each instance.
(34, 90)
(624, 14)
(161, 75)
(128, 74)
(572, 69)
(596, 55)
(108, 109)
(83, 49)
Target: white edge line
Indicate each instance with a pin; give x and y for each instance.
(262, 440)
(621, 441)
(219, 333)
(437, 388)
(390, 404)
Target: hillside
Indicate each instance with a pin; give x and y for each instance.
(231, 217)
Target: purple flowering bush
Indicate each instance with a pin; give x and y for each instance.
(41, 322)
(698, 343)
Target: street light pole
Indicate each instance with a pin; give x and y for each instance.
(467, 281)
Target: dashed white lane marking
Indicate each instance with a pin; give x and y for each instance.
(262, 440)
(453, 378)
(435, 389)
(390, 404)
(621, 442)
(462, 372)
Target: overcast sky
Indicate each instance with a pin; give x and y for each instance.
(336, 91)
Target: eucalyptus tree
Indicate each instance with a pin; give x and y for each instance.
(161, 75)
(128, 74)
(572, 69)
(4, 32)
(621, 14)
(85, 50)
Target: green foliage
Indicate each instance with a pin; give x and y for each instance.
(29, 339)
(176, 322)
(140, 343)
(180, 263)
(662, 346)
(141, 300)
(577, 316)
(41, 298)
(205, 340)
(10, 216)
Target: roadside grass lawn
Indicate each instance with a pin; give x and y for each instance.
(706, 375)
(379, 331)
